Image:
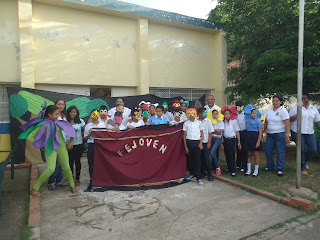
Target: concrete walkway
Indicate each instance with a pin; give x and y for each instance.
(214, 210)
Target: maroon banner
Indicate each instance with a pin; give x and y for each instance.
(142, 155)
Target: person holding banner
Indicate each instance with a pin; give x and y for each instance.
(136, 120)
(126, 111)
(159, 118)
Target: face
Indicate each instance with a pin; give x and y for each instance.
(254, 114)
(152, 110)
(198, 105)
(227, 115)
(183, 107)
(54, 116)
(201, 115)
(60, 105)
(177, 118)
(210, 100)
(276, 102)
(159, 112)
(215, 115)
(305, 100)
(119, 101)
(73, 113)
(142, 107)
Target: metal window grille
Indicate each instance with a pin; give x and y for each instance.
(4, 105)
(187, 94)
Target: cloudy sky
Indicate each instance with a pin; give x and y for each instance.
(192, 8)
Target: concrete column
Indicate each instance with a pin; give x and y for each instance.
(26, 43)
(142, 57)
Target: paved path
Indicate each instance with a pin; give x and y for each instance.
(214, 210)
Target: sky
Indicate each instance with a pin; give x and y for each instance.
(192, 8)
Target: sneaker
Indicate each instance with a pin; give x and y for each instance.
(61, 185)
(218, 171)
(52, 187)
(210, 178)
(255, 174)
(190, 177)
(307, 167)
(242, 170)
(247, 174)
(268, 169)
(304, 173)
(233, 174)
(200, 182)
(280, 173)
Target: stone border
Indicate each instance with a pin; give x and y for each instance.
(21, 165)
(291, 201)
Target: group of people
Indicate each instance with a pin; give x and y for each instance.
(205, 130)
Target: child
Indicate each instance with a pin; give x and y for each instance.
(198, 105)
(145, 116)
(184, 108)
(42, 133)
(152, 110)
(89, 138)
(254, 136)
(192, 139)
(207, 134)
(241, 153)
(159, 118)
(231, 131)
(104, 115)
(136, 120)
(119, 122)
(177, 118)
(168, 115)
(217, 122)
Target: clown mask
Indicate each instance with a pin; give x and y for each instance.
(120, 108)
(103, 112)
(95, 114)
(191, 112)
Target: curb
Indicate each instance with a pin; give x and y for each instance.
(34, 210)
(291, 201)
(21, 165)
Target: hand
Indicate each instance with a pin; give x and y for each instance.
(208, 145)
(130, 120)
(287, 139)
(239, 145)
(200, 146)
(69, 145)
(171, 124)
(131, 127)
(90, 130)
(222, 147)
(257, 144)
(152, 124)
(187, 150)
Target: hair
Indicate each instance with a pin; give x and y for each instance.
(161, 107)
(279, 97)
(227, 110)
(152, 106)
(201, 110)
(253, 110)
(50, 110)
(198, 102)
(215, 110)
(133, 111)
(118, 114)
(76, 118)
(103, 107)
(306, 95)
(239, 103)
(64, 111)
(121, 99)
(210, 96)
(184, 104)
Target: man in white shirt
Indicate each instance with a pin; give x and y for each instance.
(207, 135)
(126, 111)
(210, 104)
(192, 139)
(242, 154)
(310, 115)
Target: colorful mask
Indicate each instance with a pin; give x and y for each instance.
(146, 104)
(215, 121)
(233, 112)
(177, 113)
(120, 108)
(145, 114)
(205, 113)
(118, 119)
(165, 105)
(95, 114)
(191, 112)
(137, 115)
(186, 102)
(240, 109)
(103, 112)
(176, 104)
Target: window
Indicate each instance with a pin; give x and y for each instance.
(187, 94)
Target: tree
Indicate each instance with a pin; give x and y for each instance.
(263, 35)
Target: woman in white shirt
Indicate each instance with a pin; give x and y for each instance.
(278, 124)
(310, 115)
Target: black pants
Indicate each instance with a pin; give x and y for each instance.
(75, 155)
(90, 155)
(194, 156)
(205, 160)
(229, 145)
(242, 155)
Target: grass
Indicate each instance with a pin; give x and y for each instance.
(271, 182)
(26, 232)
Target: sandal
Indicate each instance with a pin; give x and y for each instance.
(74, 190)
(35, 193)
(77, 183)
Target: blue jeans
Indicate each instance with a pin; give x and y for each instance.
(276, 140)
(215, 142)
(310, 141)
(57, 175)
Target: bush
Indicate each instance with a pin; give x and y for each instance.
(317, 132)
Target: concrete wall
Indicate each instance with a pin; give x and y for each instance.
(56, 44)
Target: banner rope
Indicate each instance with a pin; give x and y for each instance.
(133, 137)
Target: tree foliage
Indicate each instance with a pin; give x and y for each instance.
(263, 35)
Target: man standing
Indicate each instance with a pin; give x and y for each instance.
(126, 111)
(210, 104)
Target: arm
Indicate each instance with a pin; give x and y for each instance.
(260, 137)
(293, 118)
(238, 137)
(32, 136)
(70, 144)
(185, 142)
(201, 140)
(209, 140)
(287, 130)
(265, 124)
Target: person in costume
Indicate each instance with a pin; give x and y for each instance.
(184, 105)
(76, 151)
(137, 121)
(230, 136)
(45, 132)
(159, 118)
(242, 156)
(103, 111)
(145, 116)
(192, 139)
(55, 180)
(177, 107)
(168, 115)
(216, 119)
(254, 136)
(177, 118)
(112, 123)
(119, 122)
(89, 138)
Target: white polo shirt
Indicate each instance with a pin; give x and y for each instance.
(105, 122)
(310, 115)
(89, 126)
(275, 119)
(183, 117)
(213, 107)
(207, 129)
(126, 112)
(230, 128)
(218, 126)
(193, 129)
(136, 124)
(241, 121)
(168, 116)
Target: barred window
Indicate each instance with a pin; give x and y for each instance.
(187, 94)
